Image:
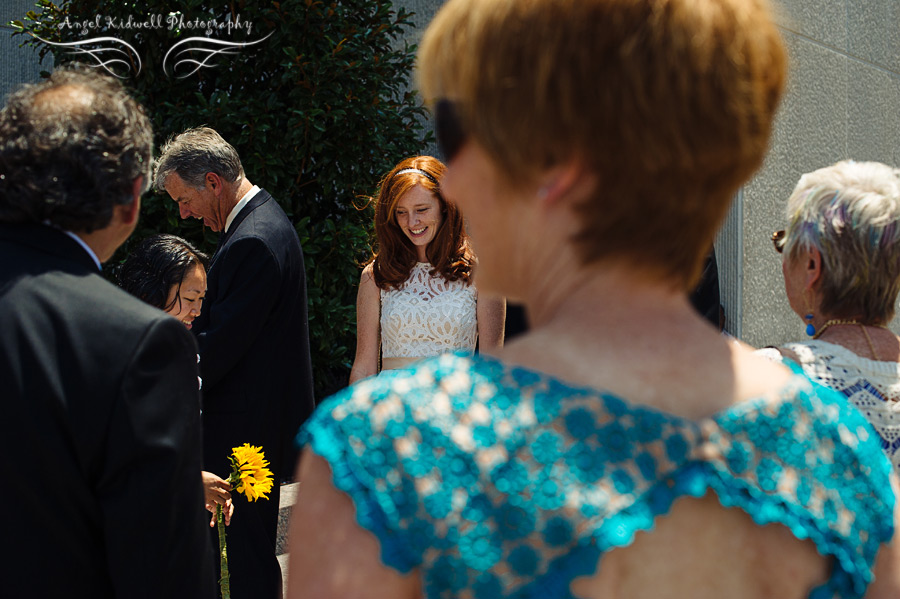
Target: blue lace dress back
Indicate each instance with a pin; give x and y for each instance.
(500, 482)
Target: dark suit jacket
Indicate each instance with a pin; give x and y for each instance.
(257, 375)
(705, 298)
(254, 339)
(101, 491)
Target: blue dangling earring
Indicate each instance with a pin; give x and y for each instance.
(810, 329)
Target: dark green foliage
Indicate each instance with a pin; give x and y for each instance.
(318, 111)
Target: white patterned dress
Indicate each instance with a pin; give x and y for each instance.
(428, 316)
(872, 386)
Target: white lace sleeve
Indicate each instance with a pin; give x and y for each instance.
(872, 386)
(769, 353)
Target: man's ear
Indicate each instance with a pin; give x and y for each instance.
(213, 182)
(129, 212)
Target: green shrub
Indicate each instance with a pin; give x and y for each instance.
(318, 111)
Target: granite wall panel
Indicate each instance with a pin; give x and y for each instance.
(17, 65)
(841, 102)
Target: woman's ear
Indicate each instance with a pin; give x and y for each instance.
(567, 183)
(813, 259)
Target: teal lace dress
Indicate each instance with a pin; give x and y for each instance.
(500, 482)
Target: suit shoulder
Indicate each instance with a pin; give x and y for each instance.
(269, 226)
(265, 219)
(248, 243)
(82, 305)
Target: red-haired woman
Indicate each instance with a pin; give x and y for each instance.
(417, 297)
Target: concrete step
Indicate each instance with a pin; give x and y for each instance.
(288, 496)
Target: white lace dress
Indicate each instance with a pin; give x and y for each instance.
(872, 386)
(427, 316)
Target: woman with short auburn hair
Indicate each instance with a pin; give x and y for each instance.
(631, 108)
(622, 447)
(417, 296)
(841, 266)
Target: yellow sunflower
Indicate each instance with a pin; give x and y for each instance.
(250, 473)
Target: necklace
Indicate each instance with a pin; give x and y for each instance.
(837, 321)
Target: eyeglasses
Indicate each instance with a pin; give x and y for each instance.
(448, 129)
(778, 239)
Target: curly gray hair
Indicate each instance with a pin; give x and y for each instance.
(71, 148)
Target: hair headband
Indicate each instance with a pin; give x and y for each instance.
(419, 172)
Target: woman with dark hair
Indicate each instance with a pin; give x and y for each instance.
(416, 297)
(169, 273)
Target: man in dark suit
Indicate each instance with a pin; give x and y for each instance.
(253, 335)
(101, 489)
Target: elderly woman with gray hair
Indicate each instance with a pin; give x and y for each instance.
(842, 274)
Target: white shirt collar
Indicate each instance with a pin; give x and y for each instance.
(86, 247)
(240, 205)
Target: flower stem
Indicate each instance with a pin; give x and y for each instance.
(224, 580)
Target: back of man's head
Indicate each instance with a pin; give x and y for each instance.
(71, 148)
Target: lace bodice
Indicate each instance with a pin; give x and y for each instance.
(500, 482)
(427, 316)
(872, 386)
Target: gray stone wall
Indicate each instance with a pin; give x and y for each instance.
(17, 65)
(842, 102)
(424, 11)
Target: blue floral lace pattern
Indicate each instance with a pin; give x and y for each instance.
(498, 481)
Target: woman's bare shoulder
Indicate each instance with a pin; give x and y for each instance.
(368, 274)
(756, 375)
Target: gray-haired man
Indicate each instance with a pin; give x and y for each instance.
(253, 335)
